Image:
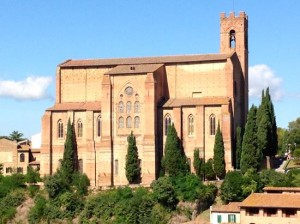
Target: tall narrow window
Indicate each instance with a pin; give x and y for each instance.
(128, 122)
(22, 157)
(121, 122)
(212, 124)
(128, 107)
(121, 107)
(99, 126)
(79, 129)
(60, 129)
(136, 107)
(191, 125)
(80, 165)
(136, 122)
(232, 40)
(167, 123)
(116, 167)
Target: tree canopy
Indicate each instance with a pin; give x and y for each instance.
(219, 160)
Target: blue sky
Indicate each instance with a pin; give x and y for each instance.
(35, 36)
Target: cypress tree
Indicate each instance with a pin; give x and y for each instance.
(68, 165)
(273, 146)
(174, 162)
(251, 156)
(238, 145)
(198, 164)
(133, 169)
(219, 161)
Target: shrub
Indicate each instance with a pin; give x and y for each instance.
(209, 170)
(231, 189)
(81, 183)
(32, 176)
(37, 212)
(296, 155)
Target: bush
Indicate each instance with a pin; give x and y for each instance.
(209, 170)
(37, 212)
(296, 155)
(159, 215)
(32, 176)
(231, 188)
(81, 183)
(55, 185)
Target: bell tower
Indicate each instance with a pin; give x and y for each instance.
(234, 38)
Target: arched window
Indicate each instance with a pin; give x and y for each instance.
(167, 123)
(121, 122)
(128, 122)
(60, 129)
(22, 157)
(232, 40)
(128, 107)
(80, 166)
(121, 107)
(79, 129)
(212, 124)
(136, 107)
(99, 126)
(136, 122)
(190, 124)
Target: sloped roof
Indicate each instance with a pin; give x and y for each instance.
(232, 207)
(134, 69)
(178, 102)
(282, 189)
(145, 60)
(271, 200)
(96, 106)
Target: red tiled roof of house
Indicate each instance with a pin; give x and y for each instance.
(229, 208)
(134, 69)
(271, 200)
(282, 189)
(178, 102)
(145, 60)
(95, 106)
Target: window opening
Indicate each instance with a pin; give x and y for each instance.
(128, 107)
(121, 107)
(212, 122)
(128, 122)
(136, 122)
(136, 107)
(79, 129)
(121, 122)
(191, 125)
(167, 123)
(99, 126)
(60, 129)
(22, 157)
(232, 39)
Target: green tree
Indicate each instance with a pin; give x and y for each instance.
(231, 189)
(68, 164)
(32, 176)
(16, 136)
(174, 161)
(218, 160)
(133, 170)
(238, 144)
(251, 157)
(209, 170)
(198, 164)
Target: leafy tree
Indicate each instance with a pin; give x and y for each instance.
(68, 164)
(55, 185)
(133, 170)
(251, 157)
(274, 179)
(174, 161)
(231, 187)
(219, 161)
(198, 164)
(263, 134)
(16, 136)
(81, 183)
(238, 145)
(164, 192)
(296, 155)
(209, 170)
(32, 175)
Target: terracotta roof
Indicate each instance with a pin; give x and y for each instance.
(76, 106)
(145, 60)
(282, 189)
(271, 200)
(134, 69)
(178, 102)
(229, 208)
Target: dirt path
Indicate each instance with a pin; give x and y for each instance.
(22, 212)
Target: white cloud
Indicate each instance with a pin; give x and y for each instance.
(261, 77)
(32, 88)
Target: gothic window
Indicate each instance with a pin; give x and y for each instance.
(80, 165)
(121, 122)
(121, 107)
(167, 123)
(128, 122)
(22, 157)
(60, 128)
(128, 107)
(79, 129)
(232, 40)
(190, 124)
(136, 122)
(116, 167)
(136, 107)
(212, 124)
(99, 126)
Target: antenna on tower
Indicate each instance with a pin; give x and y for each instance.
(233, 5)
